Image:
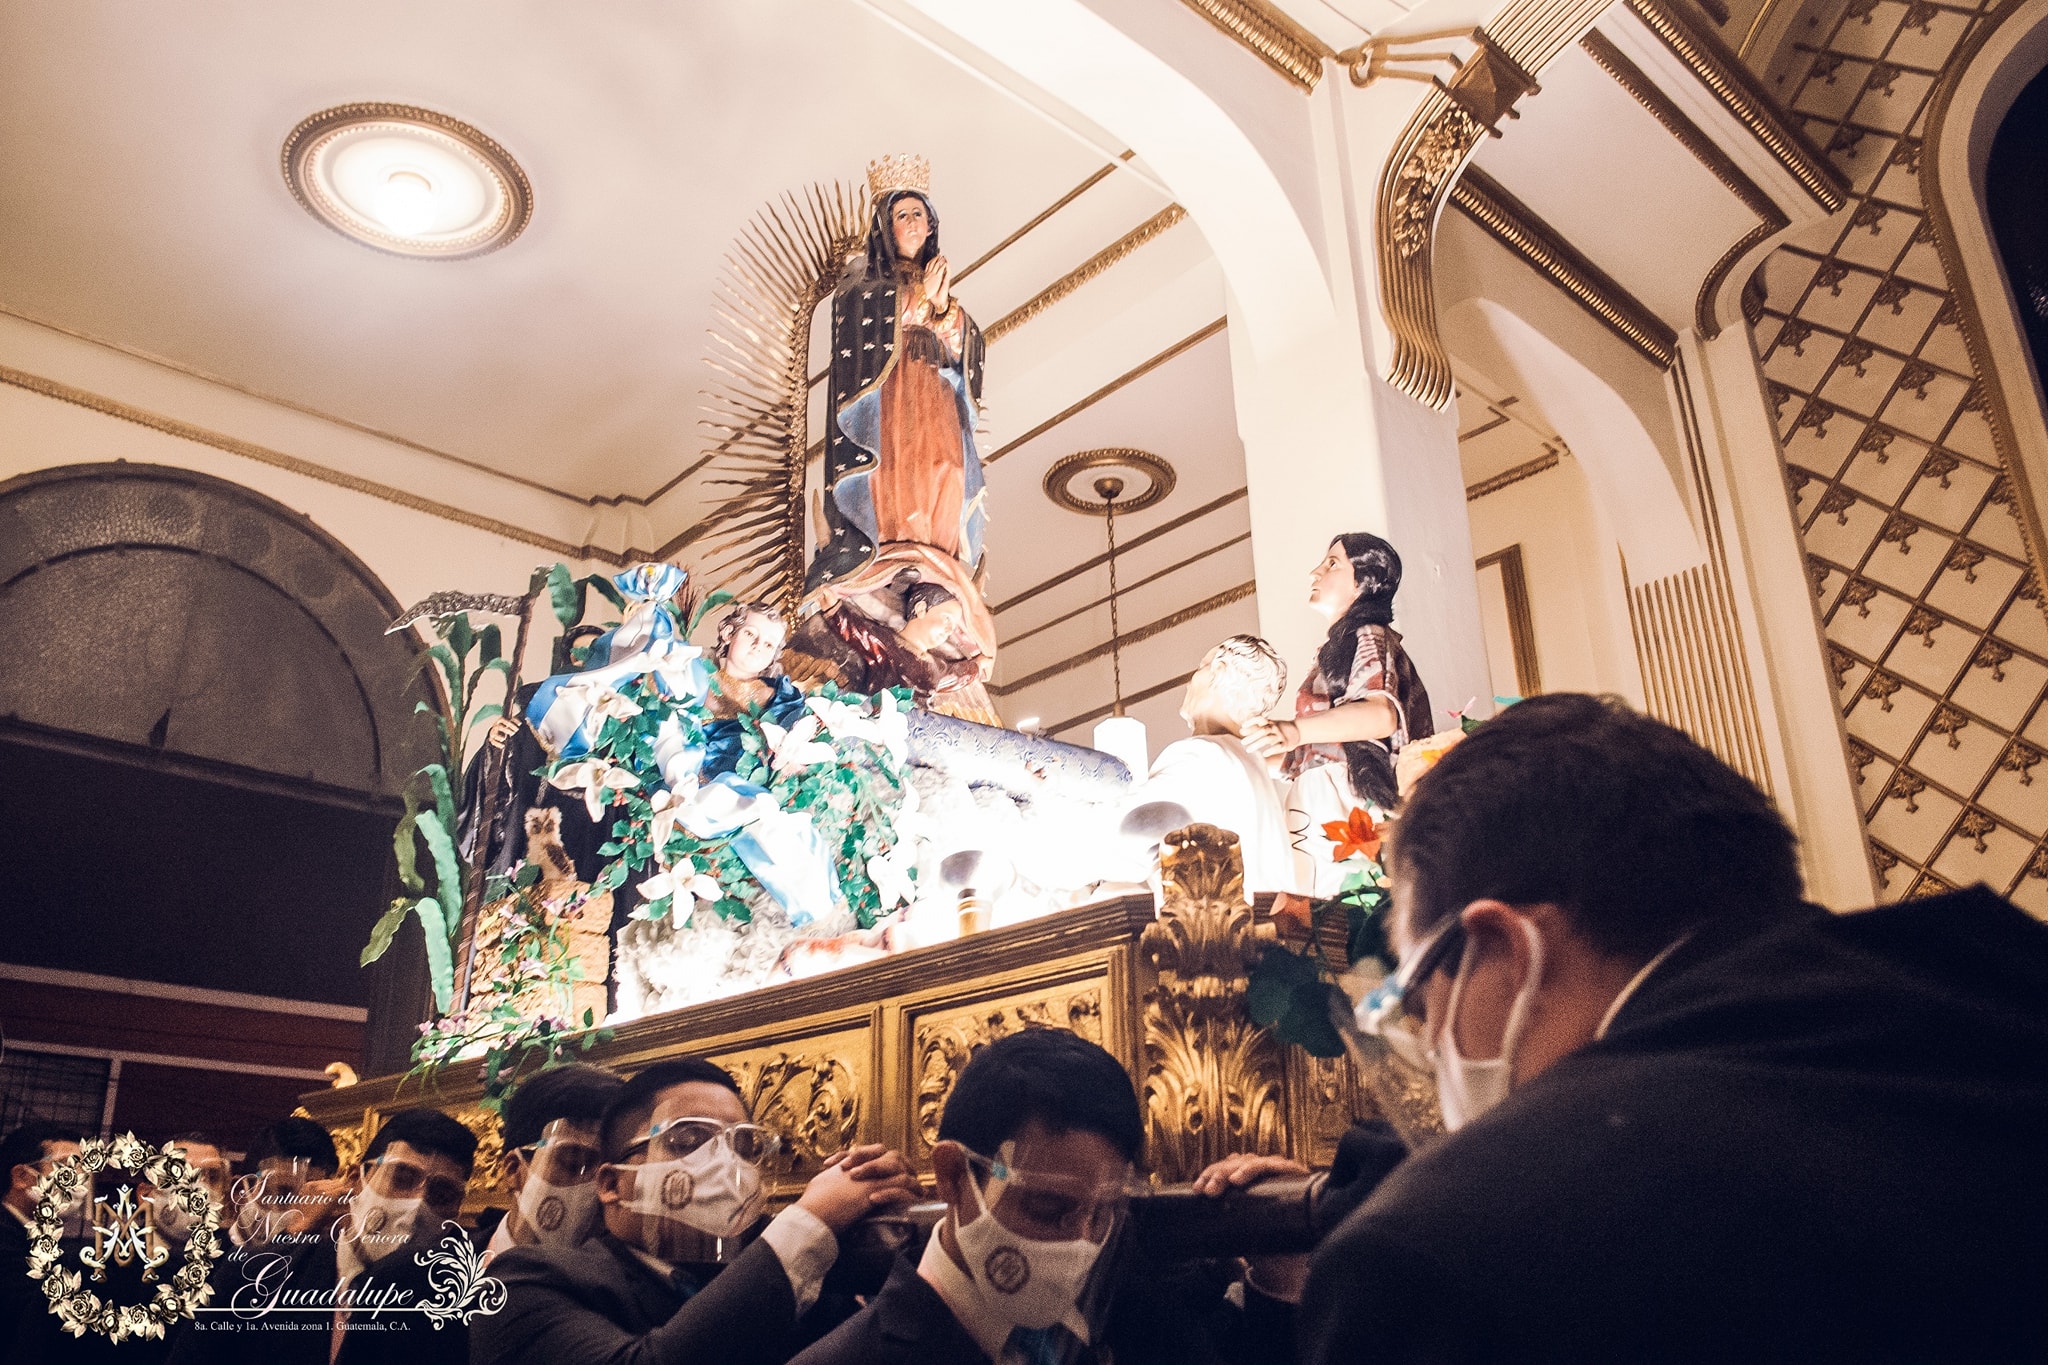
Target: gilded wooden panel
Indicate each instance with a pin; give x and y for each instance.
(943, 1041)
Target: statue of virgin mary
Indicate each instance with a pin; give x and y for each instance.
(900, 462)
(903, 503)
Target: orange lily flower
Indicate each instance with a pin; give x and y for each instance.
(1353, 837)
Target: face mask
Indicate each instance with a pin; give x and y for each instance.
(1465, 1089)
(377, 1225)
(171, 1220)
(711, 1190)
(1026, 1283)
(557, 1215)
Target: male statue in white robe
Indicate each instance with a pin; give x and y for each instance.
(1210, 777)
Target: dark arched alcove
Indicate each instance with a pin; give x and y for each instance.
(2016, 197)
(204, 731)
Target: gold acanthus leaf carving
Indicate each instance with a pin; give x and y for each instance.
(1438, 153)
(1214, 1081)
(814, 1102)
(489, 1183)
(944, 1043)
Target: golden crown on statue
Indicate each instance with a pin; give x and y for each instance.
(893, 173)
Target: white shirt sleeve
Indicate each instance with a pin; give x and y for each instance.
(806, 1248)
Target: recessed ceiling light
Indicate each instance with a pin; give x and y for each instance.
(408, 181)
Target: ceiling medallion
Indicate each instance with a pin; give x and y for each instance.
(1092, 481)
(408, 181)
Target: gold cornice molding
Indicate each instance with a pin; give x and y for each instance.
(1270, 36)
(1507, 478)
(1066, 284)
(1164, 528)
(277, 459)
(1730, 82)
(1998, 412)
(1136, 372)
(1770, 218)
(1433, 148)
(1145, 632)
(1510, 222)
(1083, 717)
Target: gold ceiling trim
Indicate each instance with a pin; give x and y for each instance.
(2004, 434)
(1165, 623)
(1012, 641)
(1083, 717)
(1723, 74)
(1513, 225)
(1138, 372)
(1437, 142)
(1507, 478)
(1269, 35)
(1164, 528)
(1084, 272)
(277, 459)
(1770, 218)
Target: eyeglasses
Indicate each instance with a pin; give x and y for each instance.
(403, 1180)
(670, 1139)
(563, 1156)
(1387, 1013)
(1048, 1208)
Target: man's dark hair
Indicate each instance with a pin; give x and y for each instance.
(1630, 828)
(296, 1137)
(425, 1130)
(578, 1092)
(630, 1111)
(1059, 1079)
(24, 1146)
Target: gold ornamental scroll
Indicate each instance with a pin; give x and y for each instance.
(870, 1053)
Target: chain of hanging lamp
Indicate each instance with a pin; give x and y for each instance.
(1108, 487)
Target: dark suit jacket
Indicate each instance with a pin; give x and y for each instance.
(600, 1302)
(906, 1324)
(1821, 1139)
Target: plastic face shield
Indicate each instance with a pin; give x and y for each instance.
(566, 1155)
(1049, 1207)
(1392, 1012)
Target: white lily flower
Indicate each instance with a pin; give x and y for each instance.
(890, 872)
(599, 782)
(668, 807)
(798, 746)
(614, 705)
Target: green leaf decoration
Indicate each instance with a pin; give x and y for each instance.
(527, 876)
(461, 637)
(382, 932)
(484, 713)
(447, 875)
(658, 909)
(565, 596)
(710, 604)
(440, 966)
(1307, 1021)
(490, 645)
(607, 589)
(403, 845)
(444, 796)
(1270, 986)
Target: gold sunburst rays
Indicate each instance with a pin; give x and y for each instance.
(779, 270)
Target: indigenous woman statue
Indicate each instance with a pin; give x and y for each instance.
(1360, 704)
(903, 500)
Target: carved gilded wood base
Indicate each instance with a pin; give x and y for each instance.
(870, 1053)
